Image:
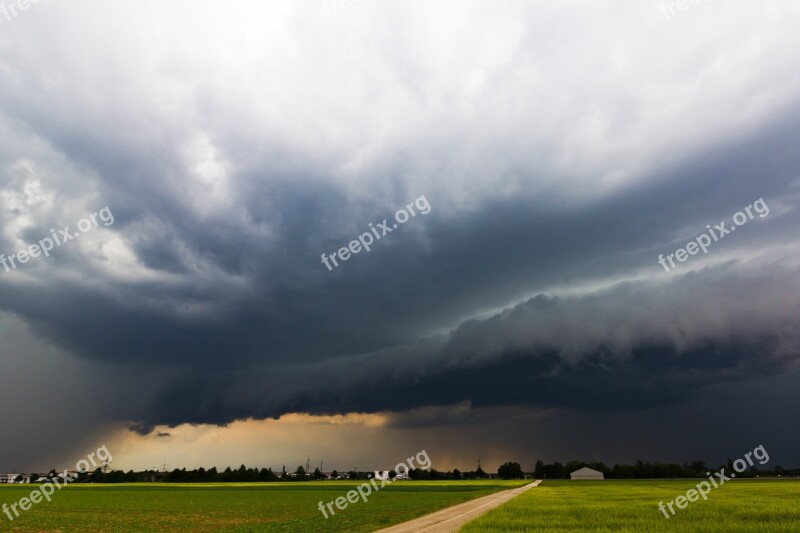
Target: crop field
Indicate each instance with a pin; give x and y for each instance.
(237, 507)
(632, 506)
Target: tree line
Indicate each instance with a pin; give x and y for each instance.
(641, 470)
(244, 474)
(509, 470)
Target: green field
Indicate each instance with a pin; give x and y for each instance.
(234, 506)
(632, 506)
(612, 505)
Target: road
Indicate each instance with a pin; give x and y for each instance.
(451, 519)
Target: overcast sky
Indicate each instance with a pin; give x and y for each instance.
(561, 146)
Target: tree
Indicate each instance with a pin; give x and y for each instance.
(510, 470)
(698, 469)
(539, 471)
(456, 473)
(479, 473)
(334, 474)
(318, 474)
(300, 472)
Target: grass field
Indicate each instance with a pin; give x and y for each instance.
(632, 506)
(235, 506)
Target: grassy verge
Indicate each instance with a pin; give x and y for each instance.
(632, 506)
(241, 507)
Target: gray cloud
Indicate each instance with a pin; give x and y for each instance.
(233, 154)
(626, 348)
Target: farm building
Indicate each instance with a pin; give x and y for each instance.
(586, 473)
(384, 475)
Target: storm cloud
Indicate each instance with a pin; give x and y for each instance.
(561, 148)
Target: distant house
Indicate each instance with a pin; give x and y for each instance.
(386, 475)
(586, 473)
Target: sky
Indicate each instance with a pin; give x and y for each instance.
(518, 174)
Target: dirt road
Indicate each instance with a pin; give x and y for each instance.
(450, 519)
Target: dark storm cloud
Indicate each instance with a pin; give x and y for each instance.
(139, 427)
(635, 346)
(428, 271)
(230, 174)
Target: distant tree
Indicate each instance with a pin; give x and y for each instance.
(266, 474)
(510, 470)
(697, 469)
(479, 473)
(392, 474)
(600, 467)
(318, 474)
(415, 473)
(300, 472)
(538, 471)
(640, 469)
(456, 473)
(334, 474)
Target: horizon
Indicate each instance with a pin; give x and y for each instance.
(352, 231)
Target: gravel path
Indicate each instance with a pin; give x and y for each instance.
(451, 519)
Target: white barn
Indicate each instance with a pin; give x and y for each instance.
(384, 475)
(586, 473)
